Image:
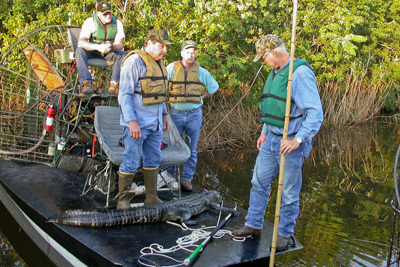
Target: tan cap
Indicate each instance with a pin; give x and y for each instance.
(266, 44)
(188, 44)
(160, 36)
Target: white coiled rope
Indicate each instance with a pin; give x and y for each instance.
(187, 243)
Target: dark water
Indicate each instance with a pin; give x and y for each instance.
(348, 185)
(8, 256)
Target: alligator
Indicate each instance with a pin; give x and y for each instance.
(175, 210)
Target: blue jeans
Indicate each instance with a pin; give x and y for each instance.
(265, 170)
(149, 145)
(190, 123)
(82, 56)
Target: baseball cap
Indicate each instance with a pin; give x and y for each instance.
(266, 44)
(189, 43)
(160, 36)
(103, 7)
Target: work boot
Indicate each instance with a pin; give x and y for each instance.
(282, 242)
(247, 231)
(87, 89)
(113, 89)
(124, 185)
(186, 185)
(150, 183)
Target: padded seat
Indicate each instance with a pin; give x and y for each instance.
(109, 132)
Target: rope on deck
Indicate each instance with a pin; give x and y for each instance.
(187, 243)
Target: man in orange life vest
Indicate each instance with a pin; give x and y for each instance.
(186, 80)
(142, 97)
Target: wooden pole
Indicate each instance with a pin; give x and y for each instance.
(285, 132)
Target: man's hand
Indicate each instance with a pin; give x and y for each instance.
(105, 48)
(165, 123)
(288, 146)
(134, 130)
(261, 141)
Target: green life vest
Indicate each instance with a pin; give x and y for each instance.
(185, 88)
(154, 83)
(103, 34)
(273, 100)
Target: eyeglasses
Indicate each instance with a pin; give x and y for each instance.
(266, 55)
(190, 53)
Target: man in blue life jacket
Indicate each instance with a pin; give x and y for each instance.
(102, 36)
(142, 96)
(186, 81)
(306, 117)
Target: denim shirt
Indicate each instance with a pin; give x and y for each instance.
(149, 116)
(306, 103)
(205, 77)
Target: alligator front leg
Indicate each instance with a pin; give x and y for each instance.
(179, 214)
(216, 207)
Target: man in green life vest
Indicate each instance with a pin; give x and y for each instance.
(306, 117)
(102, 36)
(186, 82)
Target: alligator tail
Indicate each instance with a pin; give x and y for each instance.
(96, 218)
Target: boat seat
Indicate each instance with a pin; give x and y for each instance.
(73, 38)
(109, 132)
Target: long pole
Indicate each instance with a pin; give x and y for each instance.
(285, 132)
(189, 260)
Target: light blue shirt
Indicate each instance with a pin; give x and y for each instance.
(306, 102)
(149, 116)
(204, 76)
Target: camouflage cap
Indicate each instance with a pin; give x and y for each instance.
(103, 7)
(189, 43)
(160, 36)
(266, 44)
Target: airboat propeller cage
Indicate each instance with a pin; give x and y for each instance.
(43, 68)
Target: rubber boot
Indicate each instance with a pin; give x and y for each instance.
(124, 185)
(150, 183)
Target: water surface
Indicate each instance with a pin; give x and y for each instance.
(348, 185)
(345, 217)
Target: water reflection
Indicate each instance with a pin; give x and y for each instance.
(345, 217)
(8, 256)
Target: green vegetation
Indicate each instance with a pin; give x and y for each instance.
(352, 45)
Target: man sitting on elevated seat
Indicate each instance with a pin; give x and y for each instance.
(102, 36)
(142, 98)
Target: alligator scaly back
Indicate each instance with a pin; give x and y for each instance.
(182, 209)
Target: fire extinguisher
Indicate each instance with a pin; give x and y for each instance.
(51, 111)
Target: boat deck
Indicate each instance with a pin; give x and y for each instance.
(38, 192)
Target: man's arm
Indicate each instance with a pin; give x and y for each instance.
(306, 96)
(130, 73)
(170, 71)
(85, 44)
(209, 82)
(118, 44)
